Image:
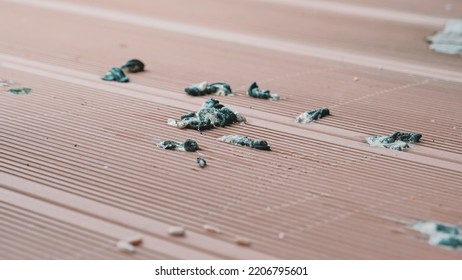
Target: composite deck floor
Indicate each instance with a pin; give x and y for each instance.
(79, 165)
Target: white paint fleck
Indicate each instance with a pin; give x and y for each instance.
(281, 235)
(125, 246)
(176, 231)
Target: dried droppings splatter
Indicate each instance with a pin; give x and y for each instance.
(448, 236)
(396, 141)
(449, 40)
(211, 114)
(188, 145)
(255, 92)
(177, 231)
(135, 240)
(6, 83)
(116, 74)
(133, 66)
(245, 141)
(201, 162)
(19, 91)
(212, 229)
(125, 246)
(204, 88)
(311, 116)
(242, 241)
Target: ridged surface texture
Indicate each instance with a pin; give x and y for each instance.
(79, 164)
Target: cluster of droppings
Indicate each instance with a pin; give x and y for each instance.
(19, 91)
(448, 236)
(188, 145)
(245, 141)
(256, 92)
(211, 114)
(307, 117)
(117, 74)
(201, 162)
(200, 89)
(397, 141)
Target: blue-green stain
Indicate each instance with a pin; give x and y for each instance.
(451, 241)
(447, 229)
(447, 236)
(19, 91)
(116, 74)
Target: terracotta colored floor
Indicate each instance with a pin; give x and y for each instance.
(79, 168)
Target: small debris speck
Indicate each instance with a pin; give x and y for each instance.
(135, 240)
(281, 235)
(245, 141)
(242, 241)
(201, 162)
(255, 92)
(355, 79)
(125, 246)
(212, 229)
(176, 231)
